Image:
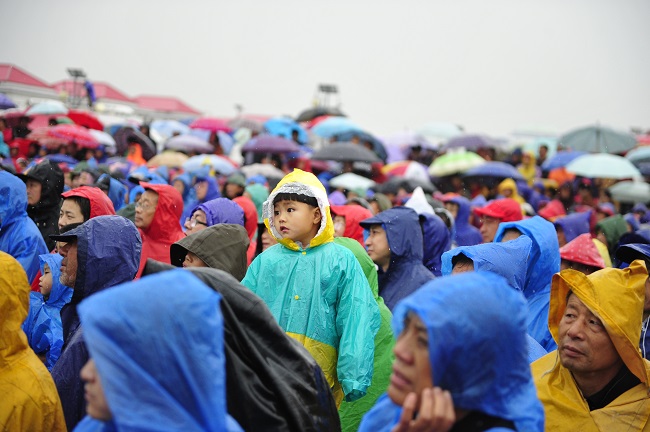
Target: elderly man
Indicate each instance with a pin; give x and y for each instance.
(597, 379)
(497, 211)
(94, 258)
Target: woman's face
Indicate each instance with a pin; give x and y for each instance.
(201, 189)
(70, 213)
(96, 405)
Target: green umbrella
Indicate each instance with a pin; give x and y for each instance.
(455, 162)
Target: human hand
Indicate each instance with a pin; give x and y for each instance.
(436, 412)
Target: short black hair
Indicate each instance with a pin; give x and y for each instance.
(296, 197)
(84, 205)
(462, 259)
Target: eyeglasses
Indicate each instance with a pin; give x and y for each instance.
(191, 223)
(144, 206)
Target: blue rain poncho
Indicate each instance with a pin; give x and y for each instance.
(491, 378)
(505, 259)
(543, 263)
(170, 383)
(43, 324)
(116, 191)
(437, 240)
(573, 225)
(406, 273)
(19, 236)
(466, 234)
(211, 193)
(221, 210)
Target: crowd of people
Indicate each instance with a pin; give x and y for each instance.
(140, 297)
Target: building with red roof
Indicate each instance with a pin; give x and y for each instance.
(22, 87)
(164, 107)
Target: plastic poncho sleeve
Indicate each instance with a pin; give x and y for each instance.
(26, 252)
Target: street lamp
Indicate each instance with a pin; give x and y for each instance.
(76, 75)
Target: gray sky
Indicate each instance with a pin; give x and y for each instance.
(492, 66)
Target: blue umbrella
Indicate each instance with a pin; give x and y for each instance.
(5, 102)
(284, 127)
(638, 155)
(561, 159)
(499, 170)
(62, 158)
(217, 163)
(166, 128)
(334, 126)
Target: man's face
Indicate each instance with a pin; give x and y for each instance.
(69, 264)
(453, 208)
(86, 179)
(196, 223)
(585, 346)
(145, 209)
(201, 189)
(489, 228)
(412, 365)
(191, 260)
(96, 405)
(339, 226)
(70, 213)
(377, 246)
(34, 188)
(463, 267)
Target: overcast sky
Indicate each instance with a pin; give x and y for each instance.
(490, 65)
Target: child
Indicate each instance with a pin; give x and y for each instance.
(43, 324)
(315, 288)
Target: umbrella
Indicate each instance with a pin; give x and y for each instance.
(284, 127)
(266, 170)
(454, 162)
(638, 155)
(104, 139)
(212, 124)
(334, 126)
(344, 152)
(270, 144)
(167, 128)
(252, 125)
(377, 146)
(596, 139)
(471, 142)
(85, 119)
(631, 192)
(62, 158)
(48, 107)
(603, 165)
(217, 163)
(127, 134)
(561, 159)
(437, 133)
(311, 113)
(5, 102)
(169, 159)
(395, 183)
(189, 143)
(64, 134)
(351, 181)
(407, 169)
(495, 170)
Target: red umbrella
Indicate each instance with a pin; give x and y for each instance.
(212, 124)
(85, 119)
(65, 134)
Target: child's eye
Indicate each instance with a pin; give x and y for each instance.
(290, 210)
(276, 213)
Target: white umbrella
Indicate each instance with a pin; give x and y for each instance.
(266, 170)
(351, 181)
(603, 165)
(48, 107)
(631, 192)
(104, 139)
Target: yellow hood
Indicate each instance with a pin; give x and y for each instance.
(14, 304)
(510, 184)
(304, 183)
(616, 297)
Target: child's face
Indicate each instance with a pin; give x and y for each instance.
(45, 282)
(296, 221)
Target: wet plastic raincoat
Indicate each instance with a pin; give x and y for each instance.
(116, 191)
(505, 259)
(460, 315)
(211, 193)
(250, 223)
(583, 250)
(19, 236)
(437, 240)
(616, 297)
(353, 214)
(319, 295)
(613, 227)
(100, 204)
(43, 324)
(543, 263)
(28, 400)
(352, 412)
(574, 225)
(466, 234)
(509, 184)
(406, 273)
(173, 383)
(221, 210)
(108, 253)
(164, 229)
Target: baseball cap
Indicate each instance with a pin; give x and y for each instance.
(505, 209)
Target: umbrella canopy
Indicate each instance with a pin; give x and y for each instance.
(561, 159)
(127, 134)
(48, 107)
(251, 124)
(407, 169)
(631, 192)
(311, 113)
(597, 139)
(603, 165)
(377, 145)
(64, 134)
(189, 143)
(62, 158)
(455, 162)
(104, 139)
(212, 124)
(345, 152)
(638, 155)
(270, 144)
(351, 181)
(495, 170)
(284, 127)
(167, 128)
(471, 142)
(334, 126)
(214, 162)
(85, 119)
(395, 183)
(169, 159)
(266, 170)
(5, 102)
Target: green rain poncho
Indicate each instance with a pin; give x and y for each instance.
(319, 295)
(351, 413)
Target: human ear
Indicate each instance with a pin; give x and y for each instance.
(317, 216)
